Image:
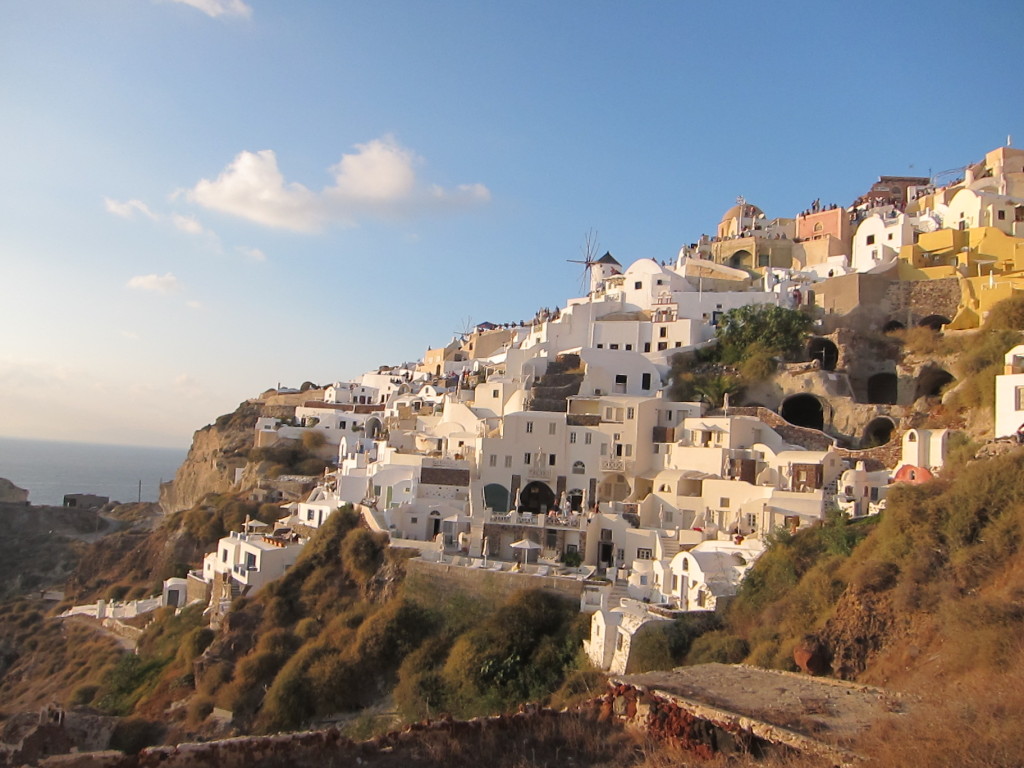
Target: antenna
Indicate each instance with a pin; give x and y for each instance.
(589, 251)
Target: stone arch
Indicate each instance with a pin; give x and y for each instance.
(893, 325)
(741, 258)
(373, 428)
(931, 381)
(804, 410)
(935, 322)
(496, 497)
(823, 350)
(883, 389)
(536, 497)
(878, 431)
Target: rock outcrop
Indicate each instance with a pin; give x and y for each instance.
(217, 451)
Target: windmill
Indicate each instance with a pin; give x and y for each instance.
(466, 330)
(589, 251)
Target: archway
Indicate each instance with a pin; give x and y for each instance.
(536, 497)
(803, 411)
(932, 381)
(877, 432)
(824, 351)
(575, 497)
(373, 428)
(893, 325)
(496, 497)
(935, 322)
(882, 389)
(741, 258)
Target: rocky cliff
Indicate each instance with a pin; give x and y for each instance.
(217, 451)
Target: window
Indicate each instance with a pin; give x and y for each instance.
(647, 346)
(1001, 215)
(630, 413)
(413, 520)
(724, 502)
(818, 227)
(629, 347)
(645, 381)
(309, 514)
(572, 436)
(493, 460)
(613, 346)
(600, 346)
(662, 332)
(621, 378)
(551, 459)
(587, 438)
(752, 521)
(579, 468)
(223, 555)
(1019, 396)
(870, 240)
(551, 428)
(508, 462)
(643, 553)
(529, 427)
(526, 458)
(662, 346)
(638, 286)
(495, 392)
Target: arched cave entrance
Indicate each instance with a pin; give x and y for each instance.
(893, 325)
(882, 389)
(932, 381)
(536, 497)
(877, 432)
(496, 497)
(741, 259)
(824, 351)
(935, 322)
(803, 411)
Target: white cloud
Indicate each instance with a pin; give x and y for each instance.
(215, 8)
(129, 208)
(167, 283)
(254, 254)
(253, 188)
(377, 179)
(188, 224)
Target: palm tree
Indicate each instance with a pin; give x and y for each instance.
(713, 389)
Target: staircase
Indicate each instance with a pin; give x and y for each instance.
(560, 381)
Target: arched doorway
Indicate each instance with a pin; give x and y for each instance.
(803, 411)
(536, 497)
(882, 389)
(496, 497)
(824, 351)
(575, 497)
(893, 325)
(741, 259)
(373, 428)
(877, 432)
(931, 381)
(935, 322)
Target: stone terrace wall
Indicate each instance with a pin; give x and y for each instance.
(446, 579)
(913, 300)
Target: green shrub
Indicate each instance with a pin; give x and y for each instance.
(718, 646)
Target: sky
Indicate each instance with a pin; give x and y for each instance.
(201, 199)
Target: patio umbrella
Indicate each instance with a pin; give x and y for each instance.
(486, 550)
(525, 545)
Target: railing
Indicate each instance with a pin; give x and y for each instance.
(543, 473)
(616, 464)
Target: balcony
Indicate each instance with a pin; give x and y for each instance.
(616, 464)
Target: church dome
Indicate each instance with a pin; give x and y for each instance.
(748, 211)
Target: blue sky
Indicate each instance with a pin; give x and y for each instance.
(203, 198)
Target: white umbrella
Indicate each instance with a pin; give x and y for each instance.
(486, 550)
(526, 545)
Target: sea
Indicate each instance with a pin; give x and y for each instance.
(50, 469)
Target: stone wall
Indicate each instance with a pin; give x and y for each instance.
(909, 301)
(491, 585)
